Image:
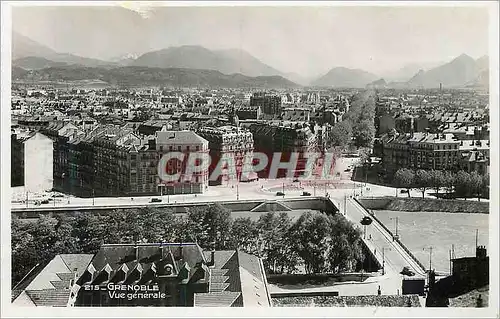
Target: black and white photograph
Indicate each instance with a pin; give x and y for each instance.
(273, 156)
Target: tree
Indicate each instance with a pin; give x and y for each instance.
(364, 133)
(404, 178)
(158, 224)
(274, 243)
(311, 238)
(485, 187)
(437, 179)
(475, 185)
(341, 134)
(423, 180)
(244, 235)
(448, 181)
(462, 184)
(211, 223)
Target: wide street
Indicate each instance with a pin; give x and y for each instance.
(337, 188)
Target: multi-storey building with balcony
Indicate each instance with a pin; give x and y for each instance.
(186, 142)
(231, 144)
(270, 104)
(431, 151)
(286, 138)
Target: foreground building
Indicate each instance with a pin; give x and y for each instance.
(32, 161)
(165, 275)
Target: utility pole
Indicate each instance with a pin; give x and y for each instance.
(26, 199)
(396, 236)
(430, 257)
(383, 259)
(93, 197)
(283, 190)
(345, 204)
(237, 192)
(476, 237)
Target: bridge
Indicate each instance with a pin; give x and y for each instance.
(379, 239)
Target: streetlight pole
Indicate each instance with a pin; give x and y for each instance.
(430, 257)
(383, 259)
(396, 223)
(345, 204)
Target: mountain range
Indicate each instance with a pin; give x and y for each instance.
(24, 47)
(240, 66)
(197, 57)
(456, 73)
(345, 78)
(136, 76)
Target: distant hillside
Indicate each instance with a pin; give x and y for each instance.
(456, 73)
(297, 78)
(344, 77)
(379, 84)
(23, 47)
(137, 76)
(35, 63)
(197, 57)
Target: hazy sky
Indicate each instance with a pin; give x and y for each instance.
(306, 40)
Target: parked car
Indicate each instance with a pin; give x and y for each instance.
(407, 272)
(404, 191)
(306, 194)
(45, 201)
(280, 194)
(296, 180)
(347, 170)
(155, 200)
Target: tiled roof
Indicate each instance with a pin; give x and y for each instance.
(217, 287)
(179, 137)
(216, 299)
(49, 297)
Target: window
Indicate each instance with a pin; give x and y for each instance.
(197, 148)
(170, 148)
(187, 148)
(179, 148)
(161, 148)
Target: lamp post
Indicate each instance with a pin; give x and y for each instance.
(396, 236)
(383, 259)
(430, 256)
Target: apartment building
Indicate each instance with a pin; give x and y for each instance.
(439, 151)
(187, 142)
(270, 104)
(32, 161)
(286, 138)
(232, 144)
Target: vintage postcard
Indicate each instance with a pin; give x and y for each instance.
(329, 159)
